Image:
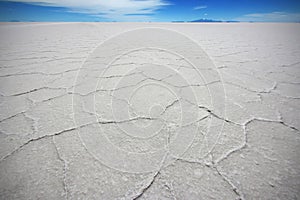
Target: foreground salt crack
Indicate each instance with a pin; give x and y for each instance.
(228, 129)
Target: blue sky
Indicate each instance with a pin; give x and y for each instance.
(150, 10)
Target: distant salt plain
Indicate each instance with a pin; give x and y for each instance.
(149, 111)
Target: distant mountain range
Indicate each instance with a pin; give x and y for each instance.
(205, 21)
(194, 21)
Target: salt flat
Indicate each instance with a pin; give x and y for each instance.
(149, 111)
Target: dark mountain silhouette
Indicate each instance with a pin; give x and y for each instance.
(212, 20)
(205, 21)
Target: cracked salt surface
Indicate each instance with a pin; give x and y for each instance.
(153, 118)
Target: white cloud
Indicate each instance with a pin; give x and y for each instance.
(199, 7)
(111, 9)
(271, 17)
